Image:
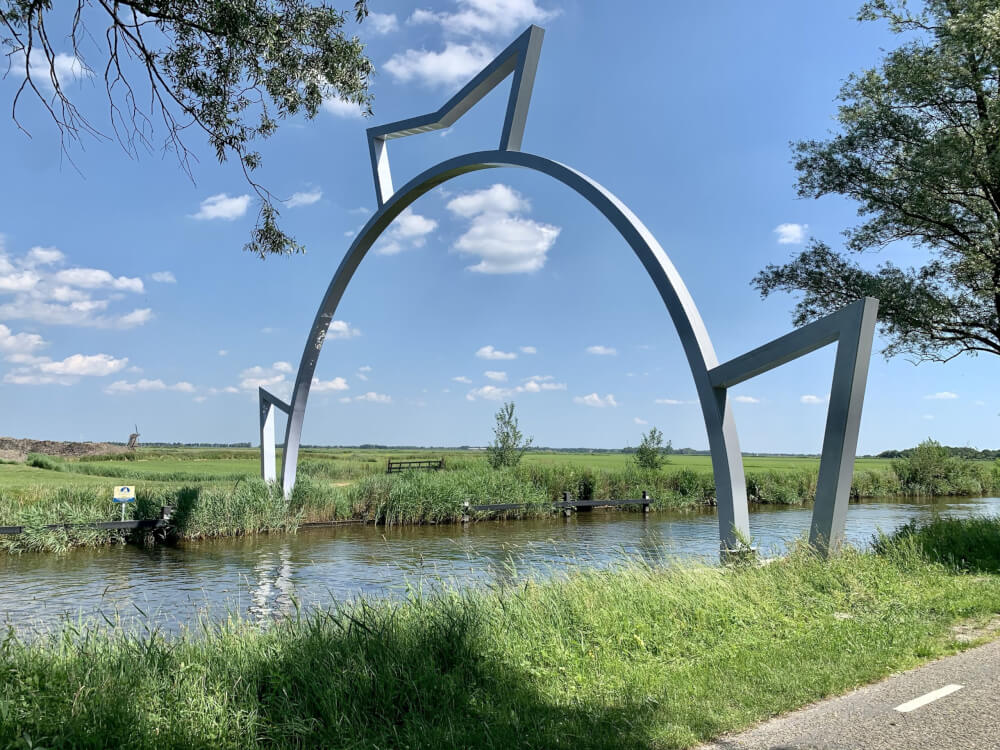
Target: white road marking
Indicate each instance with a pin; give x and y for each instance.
(923, 700)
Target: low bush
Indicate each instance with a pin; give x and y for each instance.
(968, 544)
(42, 461)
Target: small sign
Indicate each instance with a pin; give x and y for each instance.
(124, 494)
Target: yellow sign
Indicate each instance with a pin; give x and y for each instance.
(124, 494)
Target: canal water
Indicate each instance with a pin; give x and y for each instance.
(265, 576)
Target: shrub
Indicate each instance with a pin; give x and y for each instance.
(931, 470)
(970, 544)
(41, 461)
(649, 454)
(508, 443)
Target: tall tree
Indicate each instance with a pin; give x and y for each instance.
(919, 150)
(230, 68)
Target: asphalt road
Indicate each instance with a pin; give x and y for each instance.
(923, 709)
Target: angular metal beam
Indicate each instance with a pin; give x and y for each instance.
(520, 58)
(268, 402)
(853, 328)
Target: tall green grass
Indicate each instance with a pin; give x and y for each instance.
(632, 658)
(432, 497)
(248, 507)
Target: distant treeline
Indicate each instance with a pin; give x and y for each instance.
(953, 451)
(187, 445)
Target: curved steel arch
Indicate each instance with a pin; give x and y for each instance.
(727, 463)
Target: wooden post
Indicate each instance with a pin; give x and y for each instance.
(466, 517)
(645, 505)
(567, 511)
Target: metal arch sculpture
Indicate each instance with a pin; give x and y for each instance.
(852, 328)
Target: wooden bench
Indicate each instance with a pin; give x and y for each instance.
(395, 467)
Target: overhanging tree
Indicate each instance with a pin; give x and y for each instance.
(230, 68)
(919, 150)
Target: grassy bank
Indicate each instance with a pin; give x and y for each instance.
(215, 492)
(636, 658)
(246, 507)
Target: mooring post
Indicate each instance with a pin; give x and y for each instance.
(466, 513)
(645, 504)
(567, 509)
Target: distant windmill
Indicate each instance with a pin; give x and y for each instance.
(133, 439)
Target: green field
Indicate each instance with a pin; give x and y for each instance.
(172, 466)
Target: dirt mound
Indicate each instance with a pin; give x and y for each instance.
(12, 449)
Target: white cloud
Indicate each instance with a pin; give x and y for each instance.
(496, 199)
(222, 206)
(596, 401)
(529, 350)
(135, 318)
(462, 379)
(66, 68)
(96, 278)
(489, 392)
(408, 230)
(534, 384)
(670, 401)
(163, 277)
(123, 386)
(791, 234)
(324, 386)
(304, 199)
(538, 384)
(363, 371)
(496, 376)
(18, 343)
(488, 352)
(811, 399)
(271, 378)
(928, 416)
(606, 351)
(223, 352)
(455, 64)
(746, 400)
(383, 23)
(341, 329)
(503, 242)
(42, 256)
(339, 108)
(375, 398)
(475, 17)
(941, 396)
(44, 371)
(639, 421)
(84, 364)
(19, 282)
(63, 297)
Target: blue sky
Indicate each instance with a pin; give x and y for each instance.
(125, 297)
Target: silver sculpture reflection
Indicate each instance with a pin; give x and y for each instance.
(852, 328)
